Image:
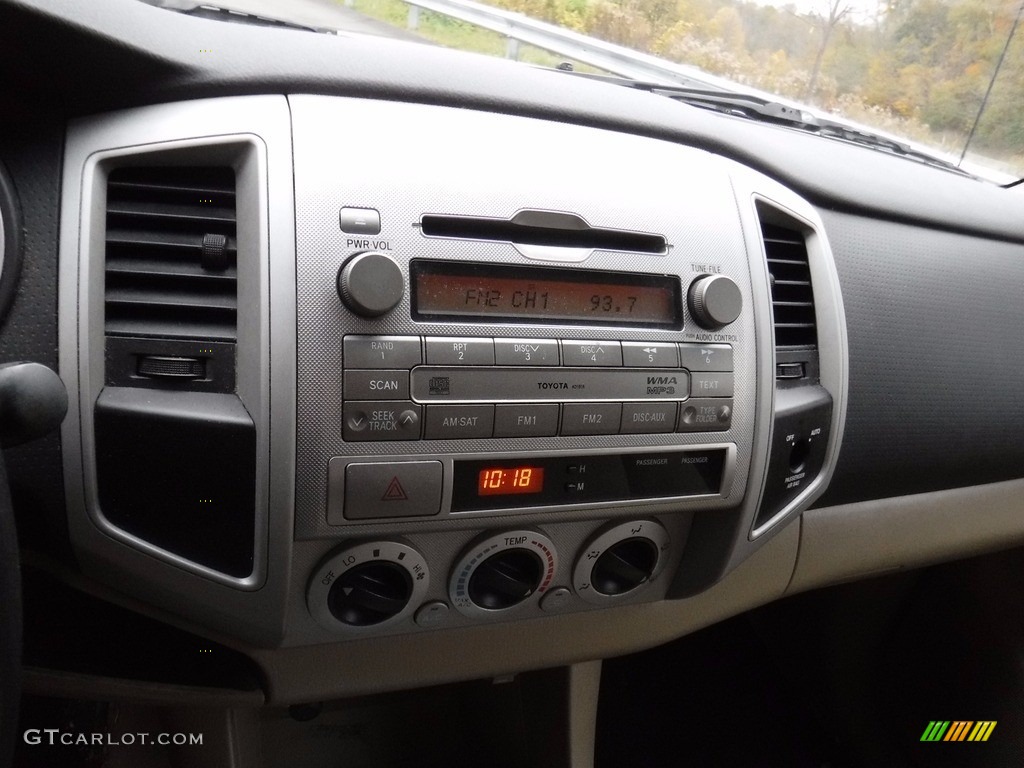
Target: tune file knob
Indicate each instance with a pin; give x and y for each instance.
(715, 301)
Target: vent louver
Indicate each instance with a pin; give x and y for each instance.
(792, 294)
(171, 253)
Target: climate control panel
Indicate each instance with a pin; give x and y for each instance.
(406, 584)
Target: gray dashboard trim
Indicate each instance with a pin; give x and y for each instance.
(833, 346)
(869, 538)
(398, 662)
(218, 129)
(936, 358)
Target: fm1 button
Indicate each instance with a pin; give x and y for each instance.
(378, 490)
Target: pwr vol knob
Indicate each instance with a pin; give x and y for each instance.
(367, 585)
(371, 284)
(502, 571)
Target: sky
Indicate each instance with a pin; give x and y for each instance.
(862, 10)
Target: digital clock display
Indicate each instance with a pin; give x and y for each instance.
(501, 481)
(500, 292)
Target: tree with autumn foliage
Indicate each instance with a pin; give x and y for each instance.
(918, 68)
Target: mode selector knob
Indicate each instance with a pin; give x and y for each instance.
(715, 301)
(371, 284)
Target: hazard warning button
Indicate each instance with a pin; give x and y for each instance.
(389, 489)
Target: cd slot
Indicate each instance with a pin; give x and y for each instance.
(542, 228)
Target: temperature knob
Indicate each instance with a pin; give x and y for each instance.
(502, 571)
(715, 300)
(371, 284)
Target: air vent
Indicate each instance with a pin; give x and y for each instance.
(792, 295)
(170, 256)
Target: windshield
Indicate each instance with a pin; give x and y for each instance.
(943, 76)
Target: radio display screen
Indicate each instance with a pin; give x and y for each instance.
(454, 290)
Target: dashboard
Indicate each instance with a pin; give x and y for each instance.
(487, 408)
(390, 366)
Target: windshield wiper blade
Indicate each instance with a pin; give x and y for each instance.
(765, 110)
(218, 13)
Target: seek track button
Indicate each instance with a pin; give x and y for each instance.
(364, 420)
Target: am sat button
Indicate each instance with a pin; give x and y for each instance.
(376, 490)
(452, 422)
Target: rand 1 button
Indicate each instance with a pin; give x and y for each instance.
(591, 418)
(375, 385)
(647, 418)
(526, 420)
(711, 384)
(459, 422)
(382, 351)
(366, 420)
(392, 489)
(643, 354)
(702, 414)
(526, 351)
(603, 353)
(706, 357)
(459, 351)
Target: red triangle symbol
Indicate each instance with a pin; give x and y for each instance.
(395, 491)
